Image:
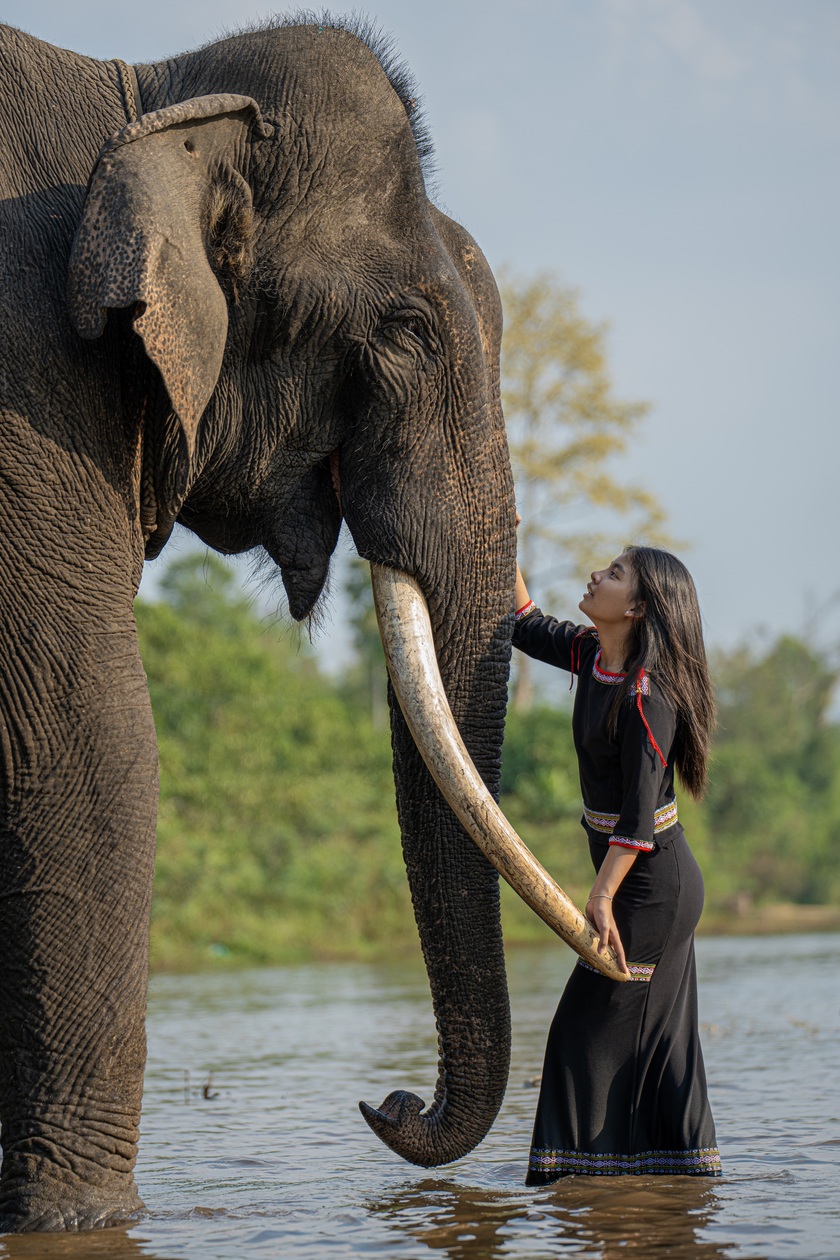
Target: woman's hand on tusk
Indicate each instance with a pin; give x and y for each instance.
(600, 914)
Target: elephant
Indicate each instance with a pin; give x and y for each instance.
(228, 301)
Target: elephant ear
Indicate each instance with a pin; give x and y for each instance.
(142, 242)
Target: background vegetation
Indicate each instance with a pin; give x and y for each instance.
(278, 838)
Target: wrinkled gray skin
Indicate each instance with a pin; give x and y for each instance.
(240, 311)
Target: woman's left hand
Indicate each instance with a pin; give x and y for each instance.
(600, 914)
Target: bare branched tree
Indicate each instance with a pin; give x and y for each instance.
(564, 427)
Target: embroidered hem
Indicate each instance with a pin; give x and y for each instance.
(642, 972)
(700, 1163)
(644, 846)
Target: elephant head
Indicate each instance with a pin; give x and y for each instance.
(279, 330)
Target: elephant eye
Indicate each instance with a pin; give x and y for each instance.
(412, 325)
(412, 328)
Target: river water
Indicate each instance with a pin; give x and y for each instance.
(253, 1146)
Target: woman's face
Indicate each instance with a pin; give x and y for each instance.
(611, 594)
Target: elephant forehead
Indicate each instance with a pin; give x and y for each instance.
(320, 180)
(342, 130)
(333, 75)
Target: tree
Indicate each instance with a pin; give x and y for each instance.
(277, 830)
(774, 804)
(564, 425)
(205, 589)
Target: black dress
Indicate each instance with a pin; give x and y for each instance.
(623, 1087)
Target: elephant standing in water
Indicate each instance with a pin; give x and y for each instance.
(240, 312)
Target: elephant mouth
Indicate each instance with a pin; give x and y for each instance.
(406, 632)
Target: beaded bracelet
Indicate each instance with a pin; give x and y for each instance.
(524, 610)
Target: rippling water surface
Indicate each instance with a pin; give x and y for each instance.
(253, 1146)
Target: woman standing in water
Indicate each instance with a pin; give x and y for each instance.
(623, 1086)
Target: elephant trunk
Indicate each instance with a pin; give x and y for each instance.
(458, 922)
(455, 894)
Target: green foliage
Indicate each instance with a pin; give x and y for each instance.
(773, 801)
(540, 767)
(540, 795)
(278, 838)
(366, 683)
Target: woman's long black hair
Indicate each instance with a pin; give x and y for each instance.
(667, 643)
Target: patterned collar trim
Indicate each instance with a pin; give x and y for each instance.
(604, 675)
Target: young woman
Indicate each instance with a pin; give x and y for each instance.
(623, 1087)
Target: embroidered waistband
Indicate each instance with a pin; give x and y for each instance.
(662, 819)
(642, 972)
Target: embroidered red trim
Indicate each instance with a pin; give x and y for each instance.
(640, 846)
(642, 684)
(605, 675)
(643, 688)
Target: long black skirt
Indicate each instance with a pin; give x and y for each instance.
(623, 1087)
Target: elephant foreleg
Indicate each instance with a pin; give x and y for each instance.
(76, 857)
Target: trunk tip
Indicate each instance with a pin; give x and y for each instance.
(426, 1140)
(396, 1124)
(398, 1107)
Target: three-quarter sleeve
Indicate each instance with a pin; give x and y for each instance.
(547, 639)
(646, 741)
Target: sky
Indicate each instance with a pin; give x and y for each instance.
(676, 161)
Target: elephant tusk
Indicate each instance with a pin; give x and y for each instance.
(406, 632)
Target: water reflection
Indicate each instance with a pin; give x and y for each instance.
(661, 1216)
(461, 1222)
(100, 1244)
(579, 1216)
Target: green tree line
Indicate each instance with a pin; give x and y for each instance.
(278, 839)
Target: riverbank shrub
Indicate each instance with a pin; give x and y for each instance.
(277, 835)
